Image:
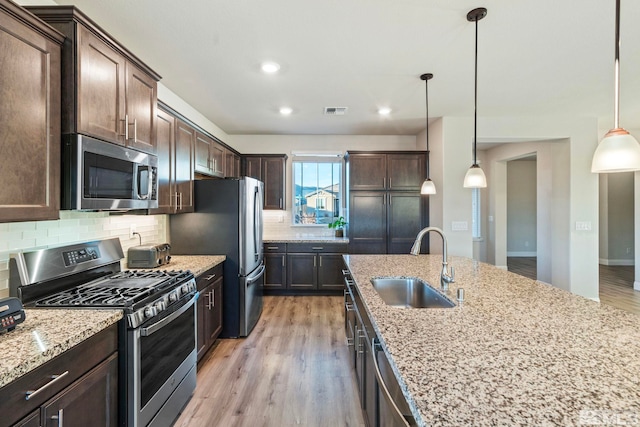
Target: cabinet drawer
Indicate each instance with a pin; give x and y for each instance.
(76, 362)
(275, 247)
(209, 276)
(317, 247)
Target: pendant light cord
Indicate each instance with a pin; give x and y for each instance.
(616, 101)
(475, 105)
(426, 82)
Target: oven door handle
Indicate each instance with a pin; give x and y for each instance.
(145, 332)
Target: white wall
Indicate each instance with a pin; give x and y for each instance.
(521, 207)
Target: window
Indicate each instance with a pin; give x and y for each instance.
(317, 191)
(475, 213)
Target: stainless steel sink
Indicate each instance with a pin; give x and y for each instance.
(409, 292)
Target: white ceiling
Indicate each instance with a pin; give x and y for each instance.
(536, 57)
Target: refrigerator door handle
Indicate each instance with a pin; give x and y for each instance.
(256, 220)
(257, 275)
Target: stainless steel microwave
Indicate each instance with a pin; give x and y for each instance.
(98, 175)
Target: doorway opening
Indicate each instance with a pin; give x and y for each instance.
(522, 253)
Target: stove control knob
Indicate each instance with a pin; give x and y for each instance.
(150, 311)
(173, 296)
(184, 289)
(160, 305)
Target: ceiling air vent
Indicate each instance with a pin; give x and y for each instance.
(335, 111)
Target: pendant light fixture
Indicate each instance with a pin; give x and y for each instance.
(475, 176)
(618, 151)
(428, 187)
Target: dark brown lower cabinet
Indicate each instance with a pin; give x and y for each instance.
(209, 308)
(304, 267)
(77, 388)
(379, 391)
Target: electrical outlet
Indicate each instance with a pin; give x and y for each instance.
(132, 229)
(583, 225)
(628, 250)
(526, 244)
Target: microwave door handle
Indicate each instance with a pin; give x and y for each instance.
(149, 330)
(139, 175)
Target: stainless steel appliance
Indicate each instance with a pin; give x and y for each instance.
(157, 336)
(148, 256)
(228, 221)
(98, 175)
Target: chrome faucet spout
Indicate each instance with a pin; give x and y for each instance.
(445, 277)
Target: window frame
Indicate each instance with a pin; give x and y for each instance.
(337, 159)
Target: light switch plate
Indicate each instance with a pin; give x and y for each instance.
(583, 225)
(459, 226)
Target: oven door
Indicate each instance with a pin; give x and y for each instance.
(162, 364)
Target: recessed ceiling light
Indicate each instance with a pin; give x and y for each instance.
(384, 111)
(270, 67)
(285, 111)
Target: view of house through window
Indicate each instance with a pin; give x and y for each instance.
(317, 192)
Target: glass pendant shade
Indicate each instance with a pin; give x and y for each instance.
(475, 177)
(428, 187)
(617, 152)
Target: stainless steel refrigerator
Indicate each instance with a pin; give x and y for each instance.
(228, 221)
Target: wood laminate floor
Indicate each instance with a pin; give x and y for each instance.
(616, 282)
(292, 370)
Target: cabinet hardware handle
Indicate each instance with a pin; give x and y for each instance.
(283, 260)
(389, 182)
(345, 272)
(273, 248)
(280, 202)
(321, 261)
(126, 127)
(135, 130)
(54, 378)
(314, 262)
(381, 383)
(212, 300)
(180, 200)
(317, 248)
(384, 182)
(209, 277)
(59, 417)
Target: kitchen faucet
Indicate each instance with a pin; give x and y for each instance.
(445, 278)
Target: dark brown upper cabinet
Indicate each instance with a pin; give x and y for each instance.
(210, 158)
(270, 169)
(107, 92)
(30, 55)
(400, 171)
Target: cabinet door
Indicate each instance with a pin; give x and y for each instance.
(101, 89)
(165, 141)
(370, 385)
(215, 308)
(330, 272)
(32, 420)
(275, 276)
(217, 159)
(367, 222)
(236, 165)
(406, 218)
(367, 171)
(273, 176)
(253, 167)
(30, 123)
(301, 271)
(141, 101)
(406, 171)
(229, 167)
(203, 154)
(92, 400)
(202, 343)
(183, 167)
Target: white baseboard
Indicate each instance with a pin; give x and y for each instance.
(616, 262)
(502, 267)
(521, 254)
(636, 285)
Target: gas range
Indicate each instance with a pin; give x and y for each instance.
(141, 294)
(157, 336)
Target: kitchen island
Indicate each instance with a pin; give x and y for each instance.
(515, 352)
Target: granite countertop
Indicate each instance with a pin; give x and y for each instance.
(198, 264)
(46, 334)
(306, 239)
(516, 352)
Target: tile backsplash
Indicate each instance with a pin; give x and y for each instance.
(277, 224)
(75, 227)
